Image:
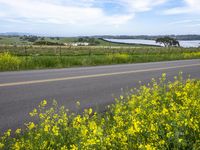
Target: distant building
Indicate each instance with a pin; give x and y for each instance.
(77, 44)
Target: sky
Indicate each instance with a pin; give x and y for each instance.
(100, 17)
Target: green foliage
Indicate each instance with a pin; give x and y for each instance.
(9, 62)
(91, 41)
(29, 38)
(168, 41)
(42, 42)
(119, 58)
(159, 116)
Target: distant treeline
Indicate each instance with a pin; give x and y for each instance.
(30, 38)
(91, 41)
(48, 43)
(147, 37)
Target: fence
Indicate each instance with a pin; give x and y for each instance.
(87, 50)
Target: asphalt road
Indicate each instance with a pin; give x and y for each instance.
(21, 92)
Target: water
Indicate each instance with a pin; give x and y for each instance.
(195, 43)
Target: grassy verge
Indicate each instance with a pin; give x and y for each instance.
(9, 62)
(159, 116)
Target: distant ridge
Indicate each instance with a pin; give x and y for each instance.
(14, 34)
(143, 37)
(150, 37)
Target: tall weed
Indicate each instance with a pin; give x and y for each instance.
(9, 62)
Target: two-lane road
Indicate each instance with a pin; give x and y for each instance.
(20, 92)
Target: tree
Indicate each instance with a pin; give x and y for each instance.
(168, 41)
(80, 40)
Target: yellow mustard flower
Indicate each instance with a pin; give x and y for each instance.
(43, 103)
(1, 145)
(73, 147)
(16, 146)
(33, 113)
(30, 125)
(46, 128)
(18, 131)
(55, 130)
(8, 132)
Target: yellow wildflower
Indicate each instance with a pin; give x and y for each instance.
(93, 126)
(73, 147)
(16, 146)
(55, 130)
(165, 111)
(46, 128)
(178, 94)
(8, 132)
(33, 113)
(41, 116)
(43, 103)
(31, 125)
(149, 147)
(180, 140)
(64, 148)
(1, 145)
(18, 131)
(131, 131)
(90, 111)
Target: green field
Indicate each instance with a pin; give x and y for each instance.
(40, 57)
(20, 56)
(16, 40)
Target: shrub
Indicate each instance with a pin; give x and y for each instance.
(9, 62)
(42, 42)
(118, 58)
(158, 116)
(191, 55)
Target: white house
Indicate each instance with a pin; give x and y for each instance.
(77, 44)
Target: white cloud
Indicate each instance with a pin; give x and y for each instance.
(134, 5)
(191, 6)
(180, 22)
(193, 25)
(142, 5)
(2, 14)
(45, 12)
(195, 4)
(82, 12)
(186, 21)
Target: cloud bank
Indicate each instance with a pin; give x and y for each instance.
(90, 17)
(73, 12)
(190, 6)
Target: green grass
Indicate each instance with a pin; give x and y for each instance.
(88, 50)
(42, 57)
(15, 40)
(5, 40)
(10, 62)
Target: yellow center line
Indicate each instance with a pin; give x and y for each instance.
(93, 76)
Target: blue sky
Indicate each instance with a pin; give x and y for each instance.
(100, 17)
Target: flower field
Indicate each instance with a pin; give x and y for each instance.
(161, 115)
(15, 58)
